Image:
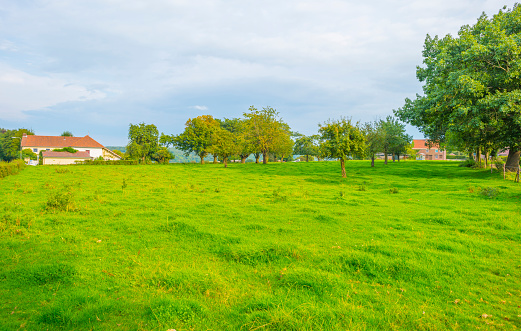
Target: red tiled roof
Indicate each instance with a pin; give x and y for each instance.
(59, 142)
(422, 144)
(77, 155)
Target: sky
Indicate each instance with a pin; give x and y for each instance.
(95, 67)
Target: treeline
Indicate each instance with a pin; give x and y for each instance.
(263, 133)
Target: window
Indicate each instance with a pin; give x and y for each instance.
(436, 156)
(436, 151)
(35, 150)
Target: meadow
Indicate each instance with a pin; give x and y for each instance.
(416, 245)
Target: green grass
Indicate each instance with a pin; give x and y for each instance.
(409, 246)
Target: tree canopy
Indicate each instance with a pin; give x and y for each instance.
(340, 139)
(143, 141)
(197, 136)
(10, 142)
(472, 86)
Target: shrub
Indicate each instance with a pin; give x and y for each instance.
(498, 162)
(11, 168)
(393, 190)
(65, 149)
(489, 192)
(469, 163)
(108, 162)
(60, 200)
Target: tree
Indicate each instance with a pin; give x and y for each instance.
(340, 139)
(10, 143)
(143, 141)
(306, 145)
(27, 153)
(197, 136)
(245, 145)
(265, 129)
(67, 134)
(472, 90)
(163, 155)
(375, 137)
(223, 144)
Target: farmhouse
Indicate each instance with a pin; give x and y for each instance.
(87, 148)
(428, 153)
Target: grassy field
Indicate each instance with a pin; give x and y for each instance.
(407, 246)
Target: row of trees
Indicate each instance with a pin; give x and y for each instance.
(262, 132)
(472, 88)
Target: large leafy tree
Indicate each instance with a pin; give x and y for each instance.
(143, 141)
(395, 140)
(340, 139)
(10, 142)
(197, 136)
(223, 144)
(472, 86)
(306, 145)
(265, 130)
(238, 127)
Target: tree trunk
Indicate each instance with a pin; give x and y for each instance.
(398, 155)
(478, 156)
(264, 158)
(343, 166)
(393, 157)
(225, 160)
(487, 154)
(202, 159)
(372, 161)
(214, 159)
(513, 159)
(471, 156)
(385, 153)
(307, 158)
(243, 159)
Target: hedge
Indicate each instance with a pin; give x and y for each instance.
(11, 168)
(109, 162)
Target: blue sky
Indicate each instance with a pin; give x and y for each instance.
(93, 67)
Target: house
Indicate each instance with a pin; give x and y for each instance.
(428, 153)
(50, 157)
(87, 148)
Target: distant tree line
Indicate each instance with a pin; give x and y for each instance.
(261, 132)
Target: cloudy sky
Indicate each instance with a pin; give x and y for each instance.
(93, 67)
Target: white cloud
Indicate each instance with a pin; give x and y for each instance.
(22, 92)
(201, 108)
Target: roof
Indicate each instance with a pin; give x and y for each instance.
(77, 155)
(422, 144)
(59, 142)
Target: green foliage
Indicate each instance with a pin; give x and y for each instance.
(306, 145)
(196, 138)
(60, 199)
(340, 139)
(469, 163)
(489, 192)
(267, 132)
(163, 155)
(472, 90)
(11, 168)
(394, 190)
(27, 153)
(10, 142)
(67, 134)
(65, 149)
(143, 141)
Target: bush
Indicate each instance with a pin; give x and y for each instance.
(489, 192)
(469, 163)
(65, 149)
(11, 168)
(61, 200)
(109, 162)
(498, 162)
